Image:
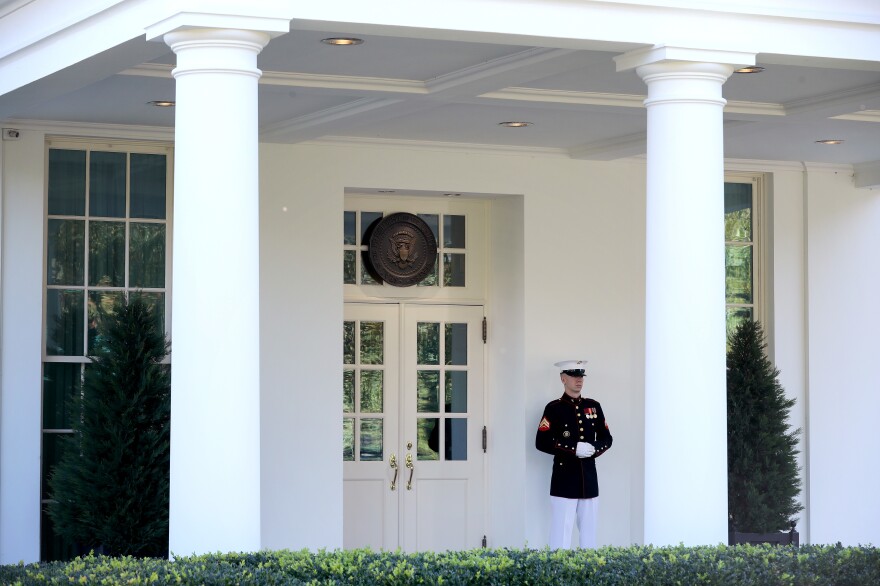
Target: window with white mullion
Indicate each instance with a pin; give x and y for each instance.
(107, 236)
(742, 230)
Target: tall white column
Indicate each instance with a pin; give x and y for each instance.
(685, 369)
(215, 386)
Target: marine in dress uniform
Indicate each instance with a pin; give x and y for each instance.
(573, 430)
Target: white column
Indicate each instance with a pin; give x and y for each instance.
(215, 386)
(685, 369)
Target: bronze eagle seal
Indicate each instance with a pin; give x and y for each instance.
(402, 249)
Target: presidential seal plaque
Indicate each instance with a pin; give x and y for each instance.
(402, 249)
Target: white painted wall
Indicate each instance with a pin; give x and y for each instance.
(843, 324)
(301, 347)
(584, 298)
(505, 398)
(784, 325)
(21, 347)
(575, 239)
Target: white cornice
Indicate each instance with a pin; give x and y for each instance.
(102, 131)
(863, 116)
(347, 141)
(528, 94)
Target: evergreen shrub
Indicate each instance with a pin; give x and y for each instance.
(110, 488)
(743, 565)
(762, 473)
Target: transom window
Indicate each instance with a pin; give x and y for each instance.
(449, 230)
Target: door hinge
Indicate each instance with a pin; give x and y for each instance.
(484, 439)
(485, 329)
(484, 541)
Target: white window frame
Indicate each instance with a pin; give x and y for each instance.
(759, 237)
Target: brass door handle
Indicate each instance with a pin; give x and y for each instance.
(409, 464)
(393, 462)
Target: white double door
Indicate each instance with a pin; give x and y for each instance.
(413, 459)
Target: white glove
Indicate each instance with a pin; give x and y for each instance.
(585, 450)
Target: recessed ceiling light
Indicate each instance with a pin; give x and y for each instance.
(831, 141)
(515, 124)
(161, 103)
(344, 41)
(750, 69)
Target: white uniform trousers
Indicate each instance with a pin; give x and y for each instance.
(564, 513)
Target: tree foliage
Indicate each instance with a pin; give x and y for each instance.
(763, 481)
(110, 487)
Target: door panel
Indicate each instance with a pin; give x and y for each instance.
(370, 425)
(419, 487)
(443, 417)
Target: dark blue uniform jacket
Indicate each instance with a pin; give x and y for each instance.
(567, 421)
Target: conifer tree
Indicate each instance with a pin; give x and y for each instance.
(110, 487)
(763, 481)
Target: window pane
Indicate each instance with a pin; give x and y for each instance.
(455, 390)
(146, 262)
(428, 343)
(428, 447)
(107, 254)
(349, 267)
(101, 306)
(738, 271)
(348, 439)
(67, 182)
(368, 222)
(148, 174)
(738, 212)
(367, 278)
(430, 279)
(453, 231)
(456, 344)
(371, 391)
(348, 391)
(428, 391)
(453, 270)
(349, 219)
(107, 184)
(53, 446)
(372, 342)
(433, 222)
(155, 301)
(348, 342)
(66, 252)
(735, 316)
(53, 547)
(65, 322)
(371, 440)
(61, 382)
(456, 439)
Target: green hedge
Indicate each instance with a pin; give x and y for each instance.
(611, 566)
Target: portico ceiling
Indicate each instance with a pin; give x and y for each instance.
(449, 93)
